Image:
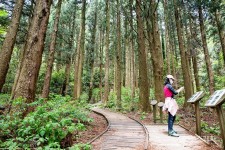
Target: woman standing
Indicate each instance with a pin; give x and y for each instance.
(170, 105)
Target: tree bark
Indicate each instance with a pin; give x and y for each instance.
(206, 51)
(80, 55)
(93, 40)
(26, 86)
(22, 53)
(76, 66)
(9, 41)
(118, 57)
(46, 88)
(132, 53)
(106, 89)
(156, 55)
(188, 57)
(127, 58)
(115, 72)
(186, 77)
(143, 77)
(101, 41)
(173, 48)
(80, 71)
(194, 58)
(167, 38)
(67, 77)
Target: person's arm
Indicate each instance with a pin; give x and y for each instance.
(172, 89)
(180, 89)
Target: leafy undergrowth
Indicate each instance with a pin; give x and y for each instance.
(55, 123)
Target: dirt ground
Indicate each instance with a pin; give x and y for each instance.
(187, 119)
(95, 128)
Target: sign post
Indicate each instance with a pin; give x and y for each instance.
(195, 100)
(160, 105)
(153, 103)
(215, 101)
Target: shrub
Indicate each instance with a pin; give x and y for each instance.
(46, 127)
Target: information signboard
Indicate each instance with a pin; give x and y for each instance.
(217, 98)
(196, 97)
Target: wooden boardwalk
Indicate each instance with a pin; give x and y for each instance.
(123, 134)
(159, 139)
(126, 134)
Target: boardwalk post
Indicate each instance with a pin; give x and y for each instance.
(195, 100)
(160, 105)
(219, 110)
(216, 100)
(153, 103)
(198, 118)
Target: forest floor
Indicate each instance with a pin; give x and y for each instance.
(95, 128)
(187, 120)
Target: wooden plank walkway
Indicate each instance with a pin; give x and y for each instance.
(159, 139)
(123, 134)
(126, 134)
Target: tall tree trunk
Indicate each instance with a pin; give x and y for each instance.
(174, 62)
(101, 41)
(115, 72)
(67, 77)
(118, 57)
(76, 66)
(206, 51)
(68, 56)
(221, 33)
(46, 88)
(19, 68)
(26, 86)
(127, 64)
(93, 40)
(106, 90)
(22, 53)
(194, 57)
(167, 38)
(80, 55)
(9, 41)
(80, 71)
(143, 77)
(186, 77)
(188, 57)
(127, 58)
(132, 52)
(173, 52)
(156, 54)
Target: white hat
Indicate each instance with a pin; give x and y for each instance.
(170, 77)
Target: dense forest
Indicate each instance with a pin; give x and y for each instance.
(59, 56)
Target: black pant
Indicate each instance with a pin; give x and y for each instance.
(171, 120)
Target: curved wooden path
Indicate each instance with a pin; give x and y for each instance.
(123, 133)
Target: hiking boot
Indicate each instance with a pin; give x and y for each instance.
(172, 133)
